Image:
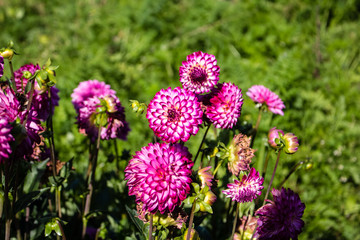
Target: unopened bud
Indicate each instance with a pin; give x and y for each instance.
(273, 135)
(291, 143)
(27, 74)
(7, 54)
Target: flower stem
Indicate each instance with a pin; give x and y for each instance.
(151, 226)
(293, 169)
(191, 221)
(235, 220)
(272, 177)
(256, 127)
(29, 101)
(218, 166)
(12, 76)
(202, 142)
(265, 164)
(61, 229)
(91, 181)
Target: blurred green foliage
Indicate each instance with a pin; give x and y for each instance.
(305, 51)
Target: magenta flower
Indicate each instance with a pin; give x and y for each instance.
(1, 66)
(261, 94)
(247, 189)
(174, 114)
(5, 138)
(240, 154)
(40, 102)
(274, 134)
(89, 89)
(224, 106)
(291, 143)
(116, 126)
(281, 218)
(159, 176)
(199, 73)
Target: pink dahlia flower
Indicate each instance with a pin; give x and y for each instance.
(159, 175)
(116, 126)
(199, 73)
(40, 102)
(89, 89)
(261, 94)
(1, 66)
(174, 114)
(281, 218)
(224, 106)
(247, 189)
(5, 138)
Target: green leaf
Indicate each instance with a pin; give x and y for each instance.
(48, 229)
(138, 223)
(57, 228)
(28, 87)
(27, 199)
(32, 179)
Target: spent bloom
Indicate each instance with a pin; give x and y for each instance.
(89, 89)
(174, 114)
(281, 218)
(159, 176)
(291, 143)
(40, 102)
(274, 134)
(247, 189)
(5, 139)
(199, 73)
(240, 154)
(224, 106)
(263, 95)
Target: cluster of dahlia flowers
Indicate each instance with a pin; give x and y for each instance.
(99, 111)
(14, 110)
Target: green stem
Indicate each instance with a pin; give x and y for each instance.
(272, 177)
(235, 220)
(191, 220)
(151, 226)
(217, 167)
(12, 76)
(265, 164)
(293, 169)
(61, 229)
(202, 142)
(256, 127)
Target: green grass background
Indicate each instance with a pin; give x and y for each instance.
(305, 51)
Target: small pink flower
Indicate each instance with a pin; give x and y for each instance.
(224, 106)
(174, 114)
(261, 94)
(159, 176)
(247, 190)
(274, 134)
(199, 73)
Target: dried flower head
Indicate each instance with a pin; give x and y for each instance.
(240, 154)
(224, 106)
(261, 94)
(247, 189)
(199, 73)
(159, 176)
(174, 114)
(281, 218)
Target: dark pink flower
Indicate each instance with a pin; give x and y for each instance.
(174, 114)
(89, 89)
(281, 219)
(224, 106)
(159, 176)
(40, 102)
(199, 73)
(1, 66)
(5, 138)
(247, 189)
(261, 94)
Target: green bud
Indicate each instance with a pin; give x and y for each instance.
(8, 53)
(27, 74)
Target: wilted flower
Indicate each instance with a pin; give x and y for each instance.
(291, 143)
(224, 106)
(261, 94)
(1, 66)
(114, 126)
(40, 102)
(89, 89)
(159, 176)
(205, 176)
(199, 73)
(240, 154)
(174, 114)
(209, 199)
(246, 229)
(274, 134)
(247, 189)
(281, 218)
(5, 138)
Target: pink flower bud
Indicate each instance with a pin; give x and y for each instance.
(274, 134)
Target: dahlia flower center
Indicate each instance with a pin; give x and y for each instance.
(173, 115)
(198, 75)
